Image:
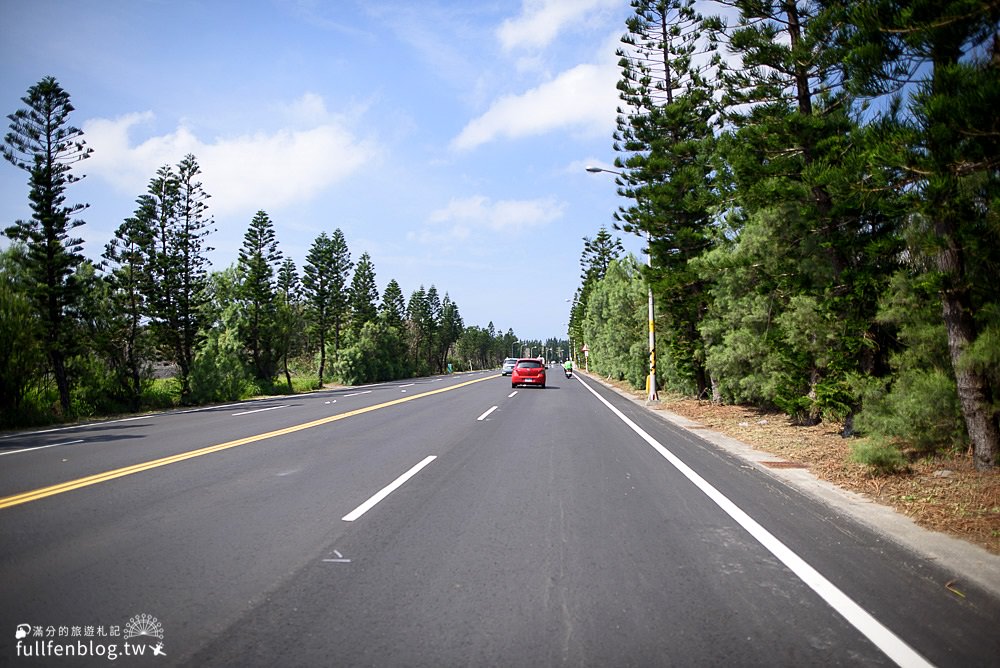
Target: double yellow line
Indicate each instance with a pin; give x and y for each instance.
(43, 492)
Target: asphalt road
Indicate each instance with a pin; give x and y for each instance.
(446, 521)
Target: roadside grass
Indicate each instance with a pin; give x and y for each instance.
(40, 408)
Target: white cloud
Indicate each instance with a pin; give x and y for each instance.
(585, 97)
(310, 109)
(460, 218)
(244, 173)
(541, 21)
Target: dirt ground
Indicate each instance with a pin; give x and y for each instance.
(942, 494)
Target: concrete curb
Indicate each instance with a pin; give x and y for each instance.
(968, 562)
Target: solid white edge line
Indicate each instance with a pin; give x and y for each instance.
(76, 426)
(486, 414)
(887, 641)
(261, 410)
(129, 419)
(203, 409)
(386, 491)
(41, 447)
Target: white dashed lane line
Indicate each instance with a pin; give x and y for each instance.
(386, 491)
(486, 414)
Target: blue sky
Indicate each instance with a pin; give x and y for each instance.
(447, 139)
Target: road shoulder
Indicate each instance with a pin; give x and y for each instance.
(971, 563)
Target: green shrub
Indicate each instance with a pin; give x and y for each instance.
(835, 399)
(921, 409)
(162, 393)
(97, 389)
(377, 354)
(218, 374)
(39, 407)
(879, 455)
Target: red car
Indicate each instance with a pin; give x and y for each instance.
(528, 372)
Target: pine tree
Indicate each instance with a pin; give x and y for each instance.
(666, 135)
(363, 294)
(290, 316)
(258, 259)
(178, 281)
(805, 254)
(449, 330)
(431, 327)
(341, 266)
(598, 254)
(318, 284)
(393, 307)
(41, 143)
(418, 315)
(126, 256)
(943, 151)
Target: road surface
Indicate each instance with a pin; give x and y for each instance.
(446, 521)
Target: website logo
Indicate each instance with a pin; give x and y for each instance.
(142, 635)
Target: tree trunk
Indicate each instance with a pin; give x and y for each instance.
(62, 380)
(802, 94)
(288, 375)
(716, 390)
(185, 377)
(974, 392)
(322, 357)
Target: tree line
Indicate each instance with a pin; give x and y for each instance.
(79, 337)
(819, 184)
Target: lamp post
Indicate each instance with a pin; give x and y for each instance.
(570, 339)
(651, 396)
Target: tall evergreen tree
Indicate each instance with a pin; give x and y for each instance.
(318, 284)
(598, 254)
(290, 316)
(178, 277)
(341, 266)
(162, 284)
(805, 255)
(944, 150)
(258, 260)
(449, 330)
(42, 143)
(363, 294)
(393, 306)
(126, 256)
(431, 327)
(666, 136)
(418, 315)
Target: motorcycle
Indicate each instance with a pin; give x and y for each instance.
(568, 372)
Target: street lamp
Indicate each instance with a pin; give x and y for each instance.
(651, 380)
